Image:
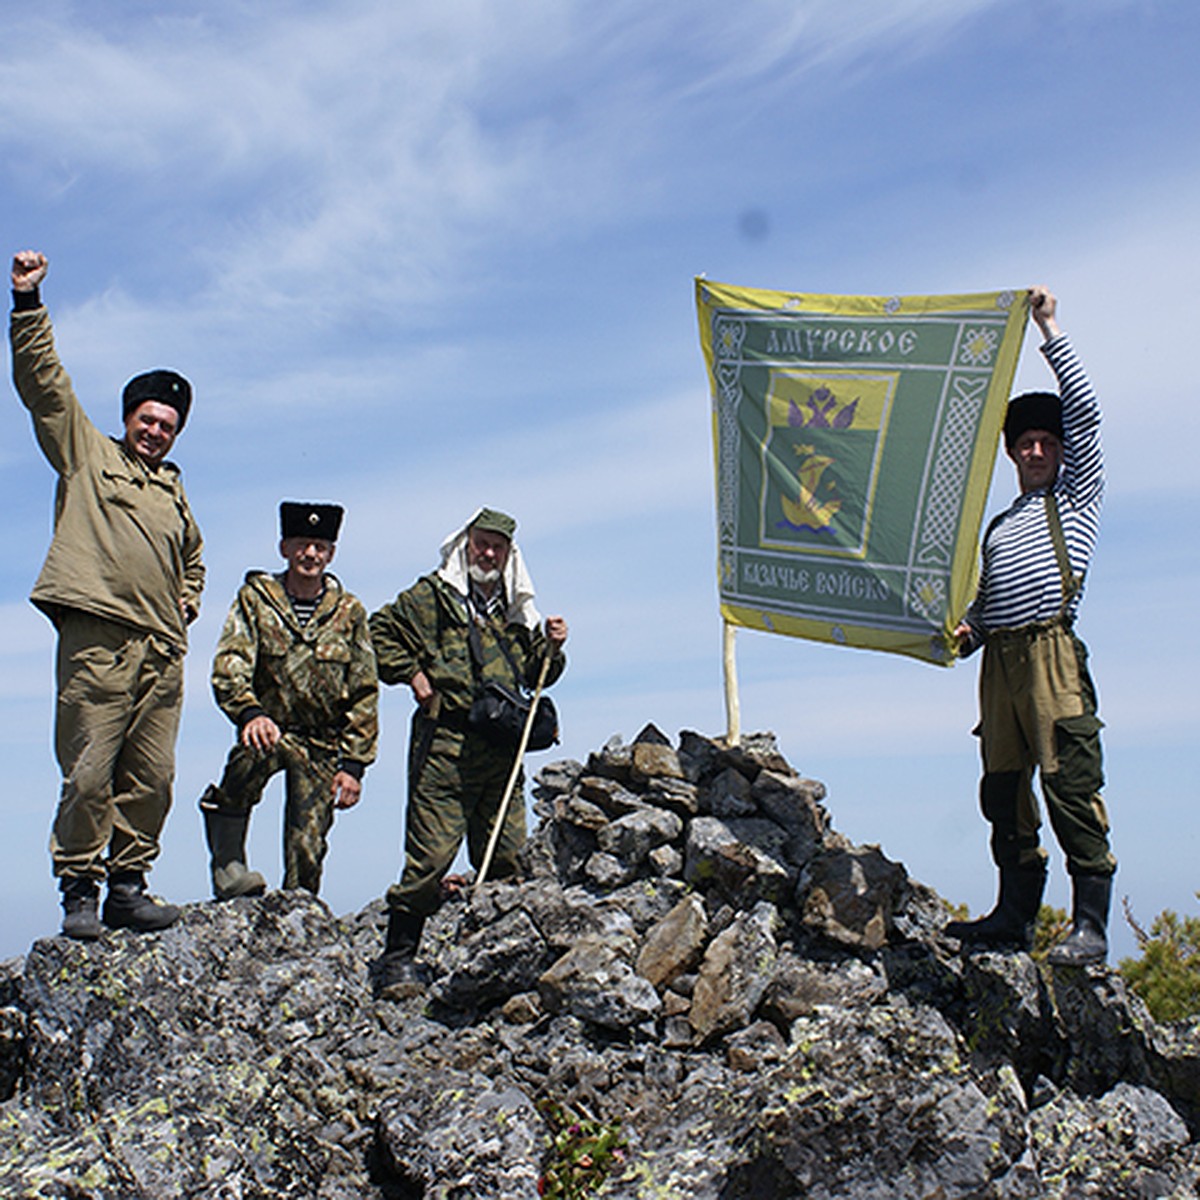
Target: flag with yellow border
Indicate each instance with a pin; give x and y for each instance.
(854, 439)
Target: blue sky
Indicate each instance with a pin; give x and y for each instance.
(420, 257)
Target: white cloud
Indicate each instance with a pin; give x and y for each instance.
(376, 150)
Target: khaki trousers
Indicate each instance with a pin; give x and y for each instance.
(457, 795)
(1038, 711)
(120, 692)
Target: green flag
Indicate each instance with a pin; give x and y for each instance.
(854, 439)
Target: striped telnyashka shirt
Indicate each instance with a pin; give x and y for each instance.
(1020, 582)
(303, 609)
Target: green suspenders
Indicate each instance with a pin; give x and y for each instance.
(1071, 583)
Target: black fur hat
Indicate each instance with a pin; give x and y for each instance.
(1032, 410)
(167, 387)
(303, 519)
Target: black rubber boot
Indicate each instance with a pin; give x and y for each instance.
(1011, 924)
(80, 899)
(129, 906)
(226, 834)
(397, 973)
(1087, 943)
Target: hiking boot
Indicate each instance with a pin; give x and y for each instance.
(129, 906)
(1087, 943)
(235, 880)
(226, 833)
(79, 901)
(397, 974)
(1011, 924)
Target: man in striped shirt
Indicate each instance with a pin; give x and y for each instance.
(1037, 701)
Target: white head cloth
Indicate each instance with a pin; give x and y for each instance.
(518, 586)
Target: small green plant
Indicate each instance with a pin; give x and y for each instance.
(1167, 975)
(1052, 927)
(582, 1152)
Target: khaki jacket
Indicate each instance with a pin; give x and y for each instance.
(126, 547)
(317, 681)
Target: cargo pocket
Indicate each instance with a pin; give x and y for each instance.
(1080, 758)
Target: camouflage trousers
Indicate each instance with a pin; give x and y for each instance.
(1038, 711)
(308, 769)
(119, 696)
(457, 795)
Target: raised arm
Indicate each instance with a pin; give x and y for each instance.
(64, 432)
(1082, 476)
(1043, 306)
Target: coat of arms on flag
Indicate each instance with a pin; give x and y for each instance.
(854, 440)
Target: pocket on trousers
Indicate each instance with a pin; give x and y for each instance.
(92, 674)
(97, 658)
(1080, 757)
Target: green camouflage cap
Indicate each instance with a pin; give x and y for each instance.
(491, 520)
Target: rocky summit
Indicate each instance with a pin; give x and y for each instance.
(697, 988)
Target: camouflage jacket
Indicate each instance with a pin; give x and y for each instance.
(425, 629)
(318, 680)
(126, 547)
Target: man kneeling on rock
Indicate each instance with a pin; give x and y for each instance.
(294, 671)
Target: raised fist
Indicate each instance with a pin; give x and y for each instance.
(28, 270)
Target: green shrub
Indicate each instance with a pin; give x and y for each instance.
(1052, 926)
(1167, 975)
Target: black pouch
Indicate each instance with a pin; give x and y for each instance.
(499, 713)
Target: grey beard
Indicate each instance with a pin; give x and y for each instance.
(485, 578)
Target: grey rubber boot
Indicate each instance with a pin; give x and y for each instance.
(80, 900)
(129, 906)
(1087, 943)
(1011, 924)
(397, 973)
(231, 877)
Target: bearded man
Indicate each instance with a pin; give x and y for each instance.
(470, 621)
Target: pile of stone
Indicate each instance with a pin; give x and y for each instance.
(659, 882)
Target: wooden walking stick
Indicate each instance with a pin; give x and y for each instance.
(516, 770)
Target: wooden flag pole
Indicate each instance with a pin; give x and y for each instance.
(733, 713)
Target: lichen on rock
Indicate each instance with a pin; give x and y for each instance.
(692, 954)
